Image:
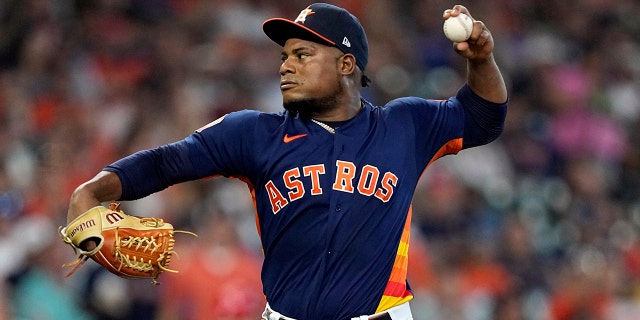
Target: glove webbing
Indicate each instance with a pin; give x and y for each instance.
(149, 243)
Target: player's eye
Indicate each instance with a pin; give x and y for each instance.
(298, 55)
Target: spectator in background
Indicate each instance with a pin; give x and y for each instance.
(37, 287)
(218, 279)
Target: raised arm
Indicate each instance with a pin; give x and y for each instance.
(483, 74)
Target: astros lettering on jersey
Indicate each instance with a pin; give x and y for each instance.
(367, 183)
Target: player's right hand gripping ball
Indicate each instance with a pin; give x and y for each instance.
(458, 28)
(127, 246)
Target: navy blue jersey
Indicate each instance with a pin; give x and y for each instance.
(333, 210)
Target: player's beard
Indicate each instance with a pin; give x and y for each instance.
(312, 107)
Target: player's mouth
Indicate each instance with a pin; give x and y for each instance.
(286, 84)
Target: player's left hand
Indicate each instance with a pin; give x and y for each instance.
(127, 246)
(479, 46)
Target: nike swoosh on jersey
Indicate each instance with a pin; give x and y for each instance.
(287, 138)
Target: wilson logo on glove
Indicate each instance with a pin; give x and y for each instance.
(114, 217)
(127, 246)
(82, 227)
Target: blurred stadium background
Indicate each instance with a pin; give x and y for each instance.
(542, 224)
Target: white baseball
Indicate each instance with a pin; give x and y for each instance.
(458, 28)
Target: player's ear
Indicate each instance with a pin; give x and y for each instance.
(347, 64)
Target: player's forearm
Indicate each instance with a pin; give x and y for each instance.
(485, 79)
(105, 186)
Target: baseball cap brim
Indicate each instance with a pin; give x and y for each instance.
(280, 30)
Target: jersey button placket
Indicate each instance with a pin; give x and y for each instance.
(339, 151)
(340, 147)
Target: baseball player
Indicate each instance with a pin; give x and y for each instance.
(332, 175)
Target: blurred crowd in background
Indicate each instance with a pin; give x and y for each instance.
(544, 223)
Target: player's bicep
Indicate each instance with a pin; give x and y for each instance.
(484, 120)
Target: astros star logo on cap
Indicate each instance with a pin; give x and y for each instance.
(303, 15)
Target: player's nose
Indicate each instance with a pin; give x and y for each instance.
(286, 67)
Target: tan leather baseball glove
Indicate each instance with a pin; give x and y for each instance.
(128, 246)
